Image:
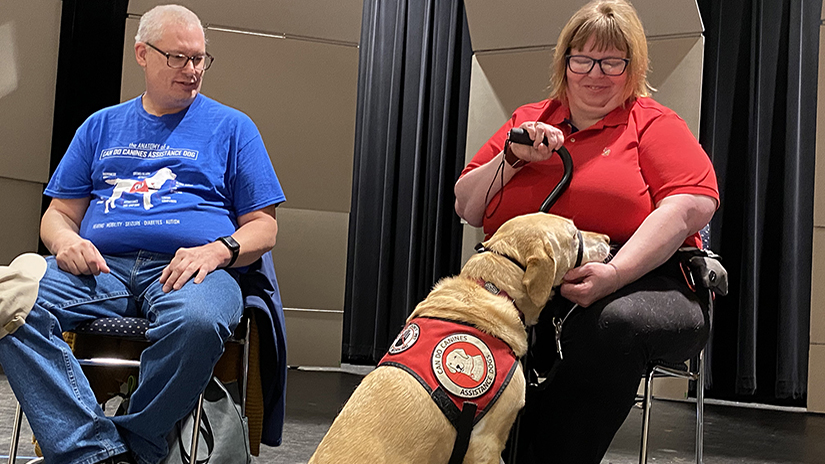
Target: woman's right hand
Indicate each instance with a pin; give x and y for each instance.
(538, 151)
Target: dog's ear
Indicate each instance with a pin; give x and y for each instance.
(539, 277)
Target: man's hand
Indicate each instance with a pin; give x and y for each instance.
(81, 258)
(587, 284)
(59, 231)
(197, 261)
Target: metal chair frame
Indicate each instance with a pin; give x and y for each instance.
(121, 362)
(661, 370)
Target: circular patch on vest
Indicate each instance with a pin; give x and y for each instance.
(464, 365)
(406, 339)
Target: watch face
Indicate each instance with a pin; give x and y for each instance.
(230, 243)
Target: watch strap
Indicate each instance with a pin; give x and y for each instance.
(233, 246)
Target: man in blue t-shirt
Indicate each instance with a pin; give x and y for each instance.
(154, 199)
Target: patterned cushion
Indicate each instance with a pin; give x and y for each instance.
(125, 327)
(135, 328)
(704, 234)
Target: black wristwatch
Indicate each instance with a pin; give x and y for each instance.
(233, 246)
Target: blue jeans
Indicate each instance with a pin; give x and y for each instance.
(188, 329)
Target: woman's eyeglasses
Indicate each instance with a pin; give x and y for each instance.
(581, 64)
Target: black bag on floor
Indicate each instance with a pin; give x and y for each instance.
(224, 434)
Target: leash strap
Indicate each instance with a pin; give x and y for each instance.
(480, 248)
(463, 431)
(580, 253)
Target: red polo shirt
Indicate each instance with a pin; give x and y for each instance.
(622, 166)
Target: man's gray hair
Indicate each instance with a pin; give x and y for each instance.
(154, 22)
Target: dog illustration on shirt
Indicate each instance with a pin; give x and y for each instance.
(146, 187)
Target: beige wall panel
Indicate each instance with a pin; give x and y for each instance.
(28, 74)
(676, 72)
(487, 112)
(498, 25)
(22, 216)
(502, 81)
(313, 337)
(816, 379)
(819, 187)
(302, 97)
(817, 289)
(666, 388)
(338, 20)
(514, 78)
(471, 236)
(311, 258)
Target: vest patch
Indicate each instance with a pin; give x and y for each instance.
(464, 365)
(406, 339)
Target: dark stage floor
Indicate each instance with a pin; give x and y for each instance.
(732, 434)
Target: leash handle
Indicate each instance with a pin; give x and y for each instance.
(520, 136)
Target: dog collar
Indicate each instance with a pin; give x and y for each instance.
(480, 248)
(492, 288)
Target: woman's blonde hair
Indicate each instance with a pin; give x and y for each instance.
(612, 23)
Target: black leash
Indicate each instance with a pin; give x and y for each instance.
(518, 135)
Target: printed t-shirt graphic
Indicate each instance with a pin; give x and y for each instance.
(161, 183)
(144, 187)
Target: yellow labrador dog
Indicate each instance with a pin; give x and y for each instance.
(399, 416)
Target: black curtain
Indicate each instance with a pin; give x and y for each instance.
(759, 126)
(413, 94)
(89, 64)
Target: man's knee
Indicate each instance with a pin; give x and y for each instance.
(203, 313)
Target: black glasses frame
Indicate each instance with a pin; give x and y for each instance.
(593, 64)
(207, 58)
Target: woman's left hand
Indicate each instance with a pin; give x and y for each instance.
(589, 283)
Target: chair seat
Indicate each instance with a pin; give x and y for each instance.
(126, 327)
(676, 366)
(133, 328)
(660, 368)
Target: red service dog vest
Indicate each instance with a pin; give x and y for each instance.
(454, 362)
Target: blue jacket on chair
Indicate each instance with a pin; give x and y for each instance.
(260, 289)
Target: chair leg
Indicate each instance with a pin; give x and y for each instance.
(245, 382)
(700, 409)
(646, 405)
(15, 433)
(196, 428)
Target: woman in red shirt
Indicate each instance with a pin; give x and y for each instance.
(640, 177)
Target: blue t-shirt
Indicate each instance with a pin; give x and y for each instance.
(161, 183)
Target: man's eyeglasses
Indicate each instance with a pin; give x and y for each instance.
(580, 64)
(200, 62)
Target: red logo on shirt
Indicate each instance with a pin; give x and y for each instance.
(139, 186)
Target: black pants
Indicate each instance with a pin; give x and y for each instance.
(606, 349)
